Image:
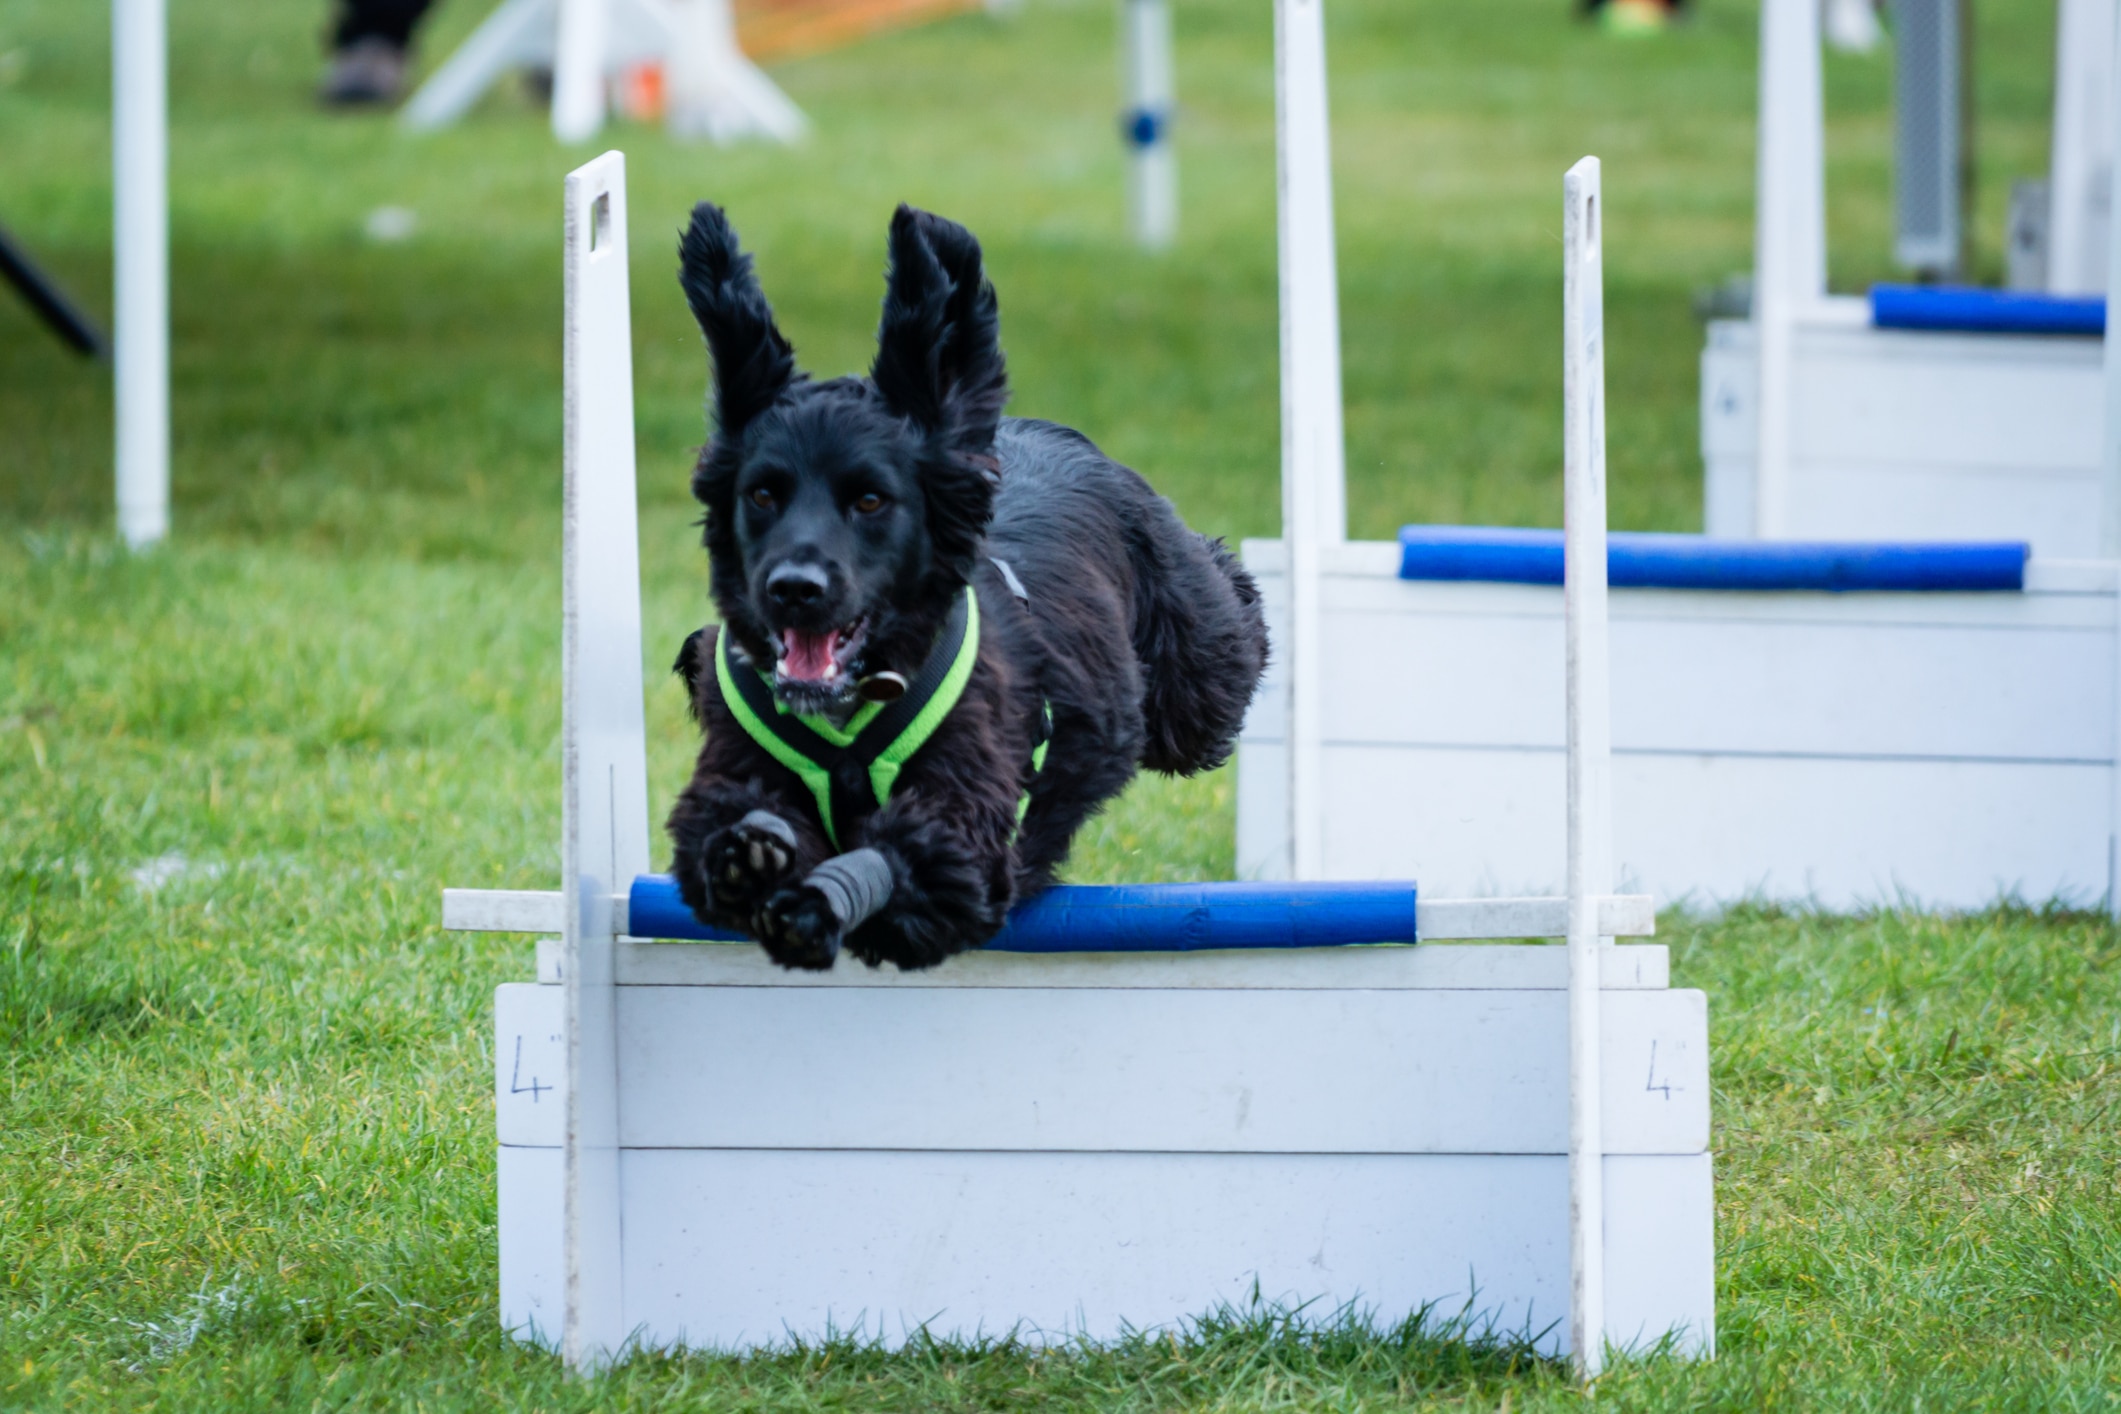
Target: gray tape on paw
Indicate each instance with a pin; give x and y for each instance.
(768, 823)
(856, 885)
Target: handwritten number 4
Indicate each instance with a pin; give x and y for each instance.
(1663, 1087)
(515, 1079)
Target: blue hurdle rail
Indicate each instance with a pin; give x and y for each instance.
(1636, 560)
(1960, 309)
(1131, 917)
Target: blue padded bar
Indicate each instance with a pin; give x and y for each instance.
(654, 909)
(1132, 917)
(1985, 311)
(1636, 560)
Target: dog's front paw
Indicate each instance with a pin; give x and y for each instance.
(743, 864)
(798, 928)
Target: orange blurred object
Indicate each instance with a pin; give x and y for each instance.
(641, 93)
(780, 29)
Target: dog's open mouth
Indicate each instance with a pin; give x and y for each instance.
(818, 658)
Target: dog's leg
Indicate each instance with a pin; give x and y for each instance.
(736, 846)
(949, 888)
(803, 925)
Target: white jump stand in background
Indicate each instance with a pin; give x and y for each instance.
(1846, 750)
(697, 1148)
(140, 241)
(714, 90)
(1816, 425)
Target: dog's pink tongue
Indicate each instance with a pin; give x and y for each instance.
(807, 656)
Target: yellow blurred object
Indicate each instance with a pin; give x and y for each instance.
(1634, 17)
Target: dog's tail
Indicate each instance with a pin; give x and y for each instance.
(1201, 637)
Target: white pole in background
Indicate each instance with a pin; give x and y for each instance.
(2081, 148)
(1590, 767)
(1313, 460)
(1152, 167)
(584, 34)
(140, 242)
(1789, 242)
(2110, 479)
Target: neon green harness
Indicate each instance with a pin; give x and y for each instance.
(851, 770)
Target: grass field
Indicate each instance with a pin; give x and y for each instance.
(246, 1149)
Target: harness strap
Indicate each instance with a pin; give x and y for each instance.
(850, 771)
(1045, 707)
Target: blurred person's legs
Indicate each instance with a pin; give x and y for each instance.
(370, 43)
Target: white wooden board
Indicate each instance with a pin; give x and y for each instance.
(1453, 967)
(1845, 750)
(734, 1248)
(1317, 1071)
(1913, 435)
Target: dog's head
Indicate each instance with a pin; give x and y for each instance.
(844, 516)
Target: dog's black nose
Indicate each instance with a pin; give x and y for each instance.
(797, 586)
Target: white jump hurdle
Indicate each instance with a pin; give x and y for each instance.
(715, 91)
(697, 1148)
(1817, 425)
(1839, 749)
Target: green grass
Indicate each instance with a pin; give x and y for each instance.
(245, 1133)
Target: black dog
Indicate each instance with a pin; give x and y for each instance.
(845, 521)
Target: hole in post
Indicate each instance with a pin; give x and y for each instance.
(1590, 223)
(600, 223)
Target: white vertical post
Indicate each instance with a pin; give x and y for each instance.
(1152, 166)
(2113, 793)
(2081, 150)
(603, 756)
(579, 47)
(1789, 242)
(140, 214)
(2110, 468)
(1313, 460)
(1590, 740)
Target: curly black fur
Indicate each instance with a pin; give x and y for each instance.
(858, 508)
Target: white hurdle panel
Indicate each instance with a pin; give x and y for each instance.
(1816, 425)
(699, 1149)
(1841, 749)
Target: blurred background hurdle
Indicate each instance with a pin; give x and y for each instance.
(1853, 741)
(1906, 415)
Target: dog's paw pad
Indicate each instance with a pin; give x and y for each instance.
(748, 861)
(798, 928)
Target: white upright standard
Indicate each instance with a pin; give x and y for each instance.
(1152, 162)
(1314, 476)
(1590, 803)
(714, 90)
(1817, 425)
(140, 238)
(697, 1148)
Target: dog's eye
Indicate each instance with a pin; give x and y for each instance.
(762, 498)
(869, 503)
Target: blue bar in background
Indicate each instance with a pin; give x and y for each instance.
(1636, 560)
(1979, 311)
(1132, 917)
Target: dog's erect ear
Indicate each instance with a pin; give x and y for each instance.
(939, 365)
(939, 353)
(695, 659)
(753, 363)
